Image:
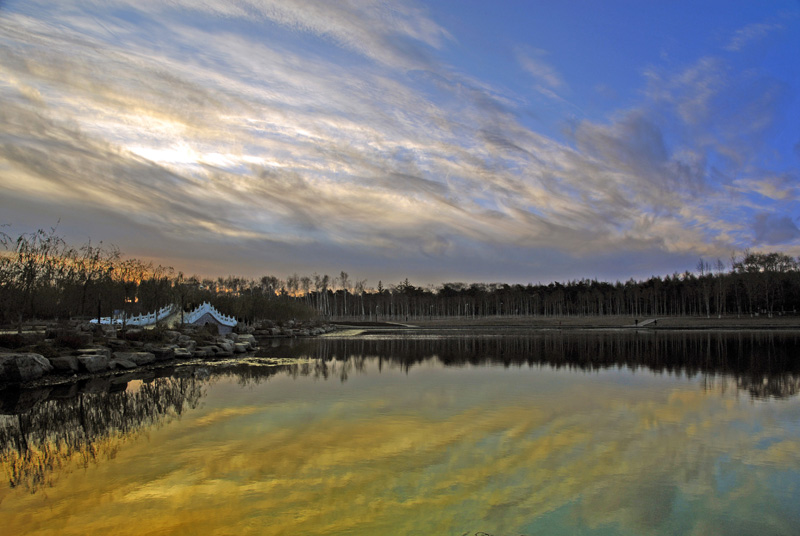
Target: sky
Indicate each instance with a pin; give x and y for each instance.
(448, 140)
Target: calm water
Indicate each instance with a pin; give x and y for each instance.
(439, 433)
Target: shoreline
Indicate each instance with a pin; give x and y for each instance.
(725, 323)
(160, 361)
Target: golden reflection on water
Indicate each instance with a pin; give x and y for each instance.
(436, 452)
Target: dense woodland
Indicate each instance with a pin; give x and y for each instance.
(44, 278)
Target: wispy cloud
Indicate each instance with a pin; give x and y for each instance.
(379, 148)
(750, 34)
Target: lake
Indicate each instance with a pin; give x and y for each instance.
(426, 432)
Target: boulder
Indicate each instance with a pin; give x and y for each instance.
(95, 350)
(116, 344)
(240, 348)
(248, 338)
(65, 363)
(122, 363)
(163, 353)
(226, 345)
(23, 367)
(172, 336)
(182, 352)
(93, 362)
(232, 336)
(204, 351)
(140, 358)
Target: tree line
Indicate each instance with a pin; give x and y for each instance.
(43, 277)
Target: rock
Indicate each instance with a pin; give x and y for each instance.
(93, 362)
(189, 345)
(95, 350)
(133, 334)
(140, 358)
(303, 333)
(204, 351)
(248, 338)
(23, 367)
(240, 348)
(172, 336)
(182, 352)
(122, 363)
(116, 344)
(233, 336)
(65, 363)
(226, 345)
(163, 354)
(275, 332)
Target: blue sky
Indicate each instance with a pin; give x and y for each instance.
(440, 141)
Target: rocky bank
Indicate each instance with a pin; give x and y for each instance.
(90, 349)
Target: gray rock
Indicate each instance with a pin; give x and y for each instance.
(116, 344)
(226, 345)
(248, 338)
(122, 363)
(65, 363)
(182, 352)
(23, 367)
(172, 336)
(140, 358)
(163, 354)
(233, 336)
(240, 348)
(94, 350)
(204, 351)
(93, 362)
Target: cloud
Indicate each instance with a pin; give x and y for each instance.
(774, 229)
(549, 79)
(201, 120)
(750, 34)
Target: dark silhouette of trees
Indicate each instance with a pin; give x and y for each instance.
(42, 277)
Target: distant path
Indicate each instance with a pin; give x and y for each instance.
(642, 323)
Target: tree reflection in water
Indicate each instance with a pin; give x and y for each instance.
(56, 435)
(764, 364)
(50, 435)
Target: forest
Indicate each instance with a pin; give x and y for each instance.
(43, 278)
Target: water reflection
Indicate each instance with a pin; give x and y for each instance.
(60, 434)
(433, 435)
(759, 363)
